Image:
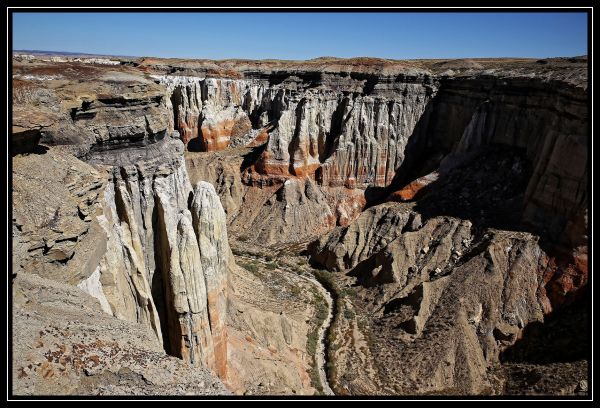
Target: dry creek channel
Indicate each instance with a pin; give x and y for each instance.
(321, 352)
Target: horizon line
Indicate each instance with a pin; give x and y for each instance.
(74, 53)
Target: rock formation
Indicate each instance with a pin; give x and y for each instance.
(451, 265)
(120, 226)
(313, 128)
(354, 130)
(211, 232)
(448, 198)
(66, 345)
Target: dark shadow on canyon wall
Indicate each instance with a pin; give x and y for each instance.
(435, 135)
(195, 145)
(157, 284)
(252, 156)
(562, 337)
(376, 195)
(485, 185)
(27, 142)
(486, 188)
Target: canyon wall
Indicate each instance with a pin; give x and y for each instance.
(470, 156)
(494, 166)
(208, 112)
(344, 132)
(413, 181)
(124, 223)
(548, 120)
(166, 234)
(353, 132)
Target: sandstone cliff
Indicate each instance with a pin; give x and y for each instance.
(354, 128)
(352, 124)
(122, 220)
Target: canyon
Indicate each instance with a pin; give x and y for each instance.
(325, 227)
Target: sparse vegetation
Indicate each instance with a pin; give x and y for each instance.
(296, 290)
(349, 314)
(321, 308)
(249, 266)
(311, 347)
(312, 341)
(348, 292)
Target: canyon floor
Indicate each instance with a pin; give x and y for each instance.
(332, 227)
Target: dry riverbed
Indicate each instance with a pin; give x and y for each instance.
(306, 288)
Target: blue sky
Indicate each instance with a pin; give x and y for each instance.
(305, 35)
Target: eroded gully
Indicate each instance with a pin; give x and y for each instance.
(321, 352)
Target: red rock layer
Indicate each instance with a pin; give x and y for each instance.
(269, 167)
(306, 170)
(216, 137)
(187, 132)
(413, 190)
(566, 277)
(219, 333)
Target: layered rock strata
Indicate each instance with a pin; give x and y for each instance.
(141, 250)
(127, 227)
(312, 128)
(355, 131)
(273, 213)
(206, 111)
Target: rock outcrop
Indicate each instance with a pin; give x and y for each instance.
(547, 120)
(273, 212)
(484, 308)
(216, 259)
(186, 103)
(355, 130)
(172, 248)
(223, 172)
(55, 229)
(206, 111)
(126, 227)
(344, 248)
(312, 128)
(64, 344)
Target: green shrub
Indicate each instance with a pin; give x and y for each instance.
(349, 292)
(249, 267)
